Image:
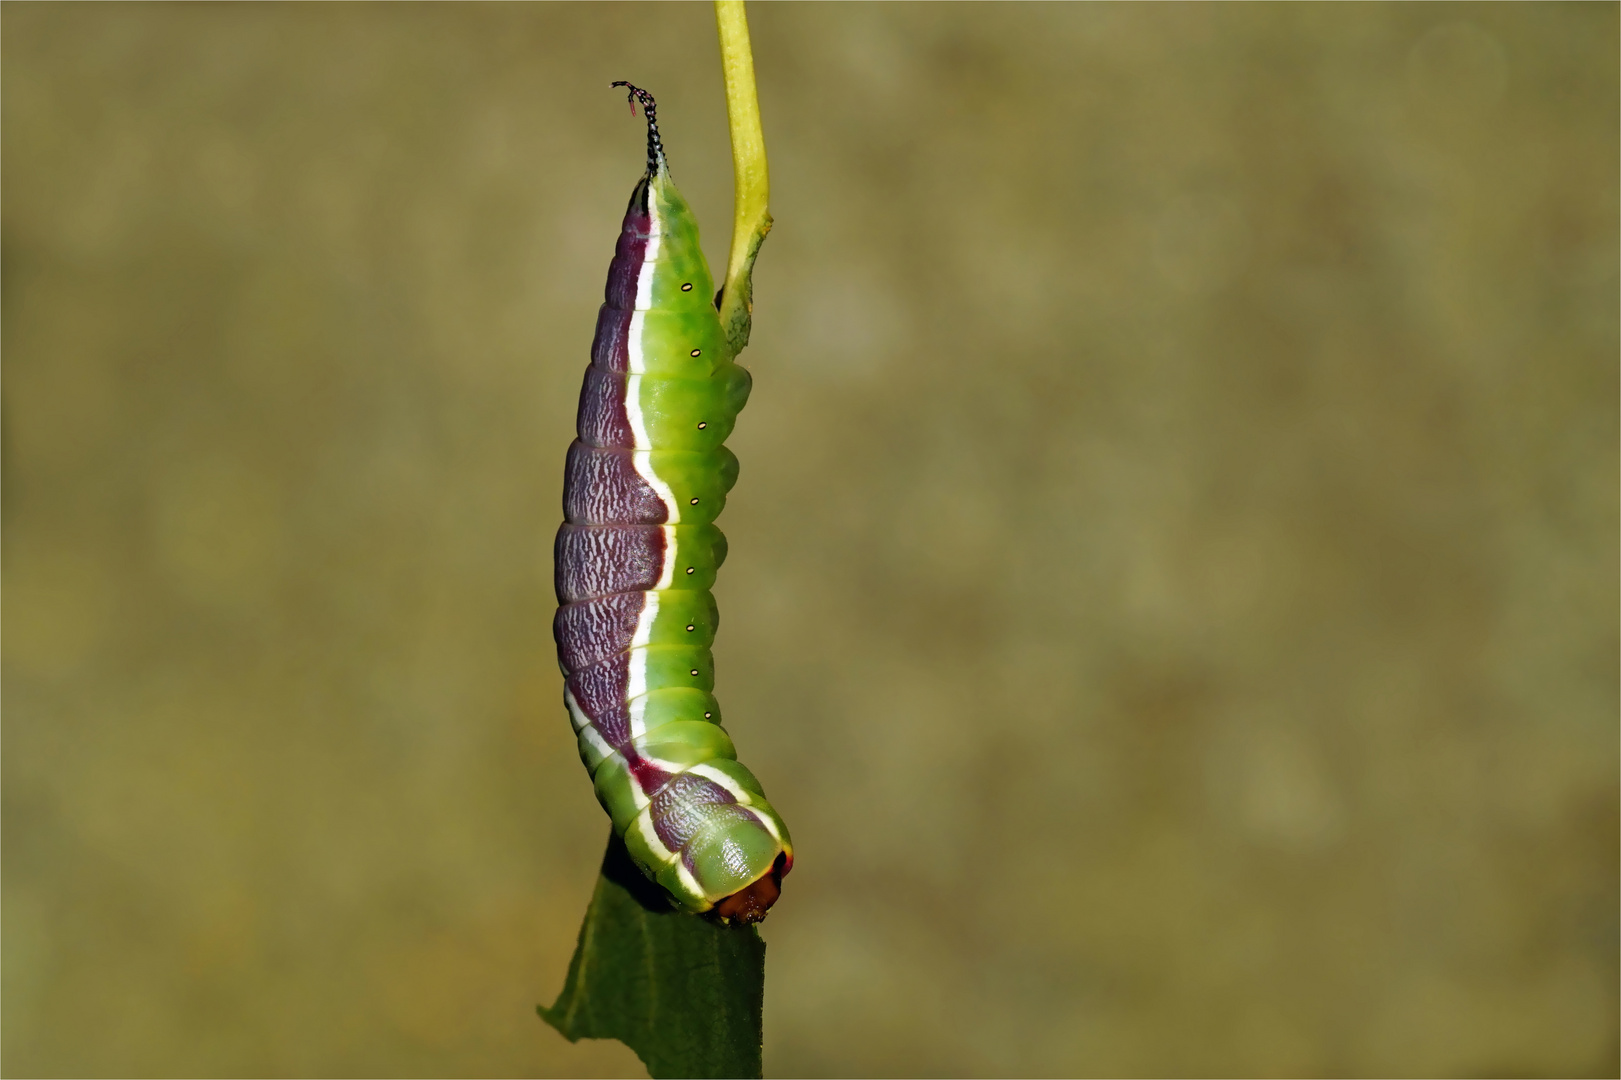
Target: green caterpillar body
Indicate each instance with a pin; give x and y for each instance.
(635, 560)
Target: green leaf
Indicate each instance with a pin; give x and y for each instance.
(684, 992)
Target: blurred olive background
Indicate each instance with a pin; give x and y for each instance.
(1173, 579)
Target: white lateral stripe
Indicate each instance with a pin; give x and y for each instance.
(715, 776)
(637, 708)
(644, 621)
(591, 735)
(642, 462)
(636, 364)
(765, 820)
(644, 280)
(744, 797)
(576, 714)
(638, 797)
(690, 882)
(644, 825)
(636, 675)
(633, 412)
(667, 575)
(650, 258)
(674, 768)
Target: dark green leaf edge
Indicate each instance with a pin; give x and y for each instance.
(685, 993)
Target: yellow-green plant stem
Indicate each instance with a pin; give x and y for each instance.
(751, 220)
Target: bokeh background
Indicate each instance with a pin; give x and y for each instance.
(1173, 591)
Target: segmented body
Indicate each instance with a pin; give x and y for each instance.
(635, 560)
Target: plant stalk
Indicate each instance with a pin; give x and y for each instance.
(751, 191)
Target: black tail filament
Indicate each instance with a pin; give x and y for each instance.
(655, 146)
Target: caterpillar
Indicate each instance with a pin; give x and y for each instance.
(636, 557)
